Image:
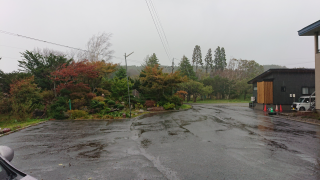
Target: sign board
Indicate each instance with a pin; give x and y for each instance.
(252, 98)
(293, 95)
(290, 95)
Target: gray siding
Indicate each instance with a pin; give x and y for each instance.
(293, 83)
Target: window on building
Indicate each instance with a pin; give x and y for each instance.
(305, 90)
(255, 88)
(283, 89)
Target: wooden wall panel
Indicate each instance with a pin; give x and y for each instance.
(260, 92)
(265, 92)
(268, 91)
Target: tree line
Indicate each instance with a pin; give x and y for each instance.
(48, 80)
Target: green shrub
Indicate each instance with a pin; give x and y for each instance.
(168, 106)
(57, 108)
(105, 111)
(121, 106)
(58, 112)
(175, 100)
(99, 98)
(162, 102)
(115, 106)
(74, 114)
(110, 102)
(96, 104)
(116, 114)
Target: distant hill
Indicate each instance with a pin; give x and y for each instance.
(134, 71)
(273, 66)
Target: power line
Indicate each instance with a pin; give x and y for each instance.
(157, 30)
(13, 34)
(157, 18)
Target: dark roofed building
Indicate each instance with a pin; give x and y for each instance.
(274, 86)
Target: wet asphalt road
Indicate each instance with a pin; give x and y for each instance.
(207, 142)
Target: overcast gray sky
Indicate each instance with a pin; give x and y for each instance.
(260, 30)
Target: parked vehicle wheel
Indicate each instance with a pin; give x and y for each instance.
(302, 109)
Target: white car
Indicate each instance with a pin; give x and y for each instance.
(303, 103)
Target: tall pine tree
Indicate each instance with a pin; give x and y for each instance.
(220, 60)
(216, 58)
(153, 60)
(197, 57)
(208, 60)
(186, 69)
(223, 60)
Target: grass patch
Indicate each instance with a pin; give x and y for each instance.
(210, 101)
(7, 121)
(185, 106)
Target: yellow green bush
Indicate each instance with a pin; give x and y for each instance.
(99, 98)
(75, 114)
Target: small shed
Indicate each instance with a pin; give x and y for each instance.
(282, 86)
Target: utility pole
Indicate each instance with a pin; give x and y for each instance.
(172, 64)
(125, 57)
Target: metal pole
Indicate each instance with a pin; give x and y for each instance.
(172, 65)
(125, 57)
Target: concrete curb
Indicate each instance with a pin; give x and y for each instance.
(21, 128)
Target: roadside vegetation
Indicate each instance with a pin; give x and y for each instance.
(54, 85)
(12, 123)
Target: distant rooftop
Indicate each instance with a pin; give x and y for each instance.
(270, 71)
(310, 30)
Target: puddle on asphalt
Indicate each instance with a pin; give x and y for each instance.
(87, 150)
(172, 133)
(145, 143)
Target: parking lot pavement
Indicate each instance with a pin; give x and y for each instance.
(210, 141)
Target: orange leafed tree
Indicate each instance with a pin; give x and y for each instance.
(181, 94)
(75, 77)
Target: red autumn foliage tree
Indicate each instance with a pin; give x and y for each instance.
(74, 78)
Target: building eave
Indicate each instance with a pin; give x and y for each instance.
(310, 30)
(269, 71)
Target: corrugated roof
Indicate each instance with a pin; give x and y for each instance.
(269, 71)
(310, 30)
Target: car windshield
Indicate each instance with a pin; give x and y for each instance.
(301, 100)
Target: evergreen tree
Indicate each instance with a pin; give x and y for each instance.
(220, 59)
(40, 66)
(121, 73)
(150, 61)
(186, 69)
(208, 60)
(153, 60)
(216, 58)
(223, 60)
(197, 57)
